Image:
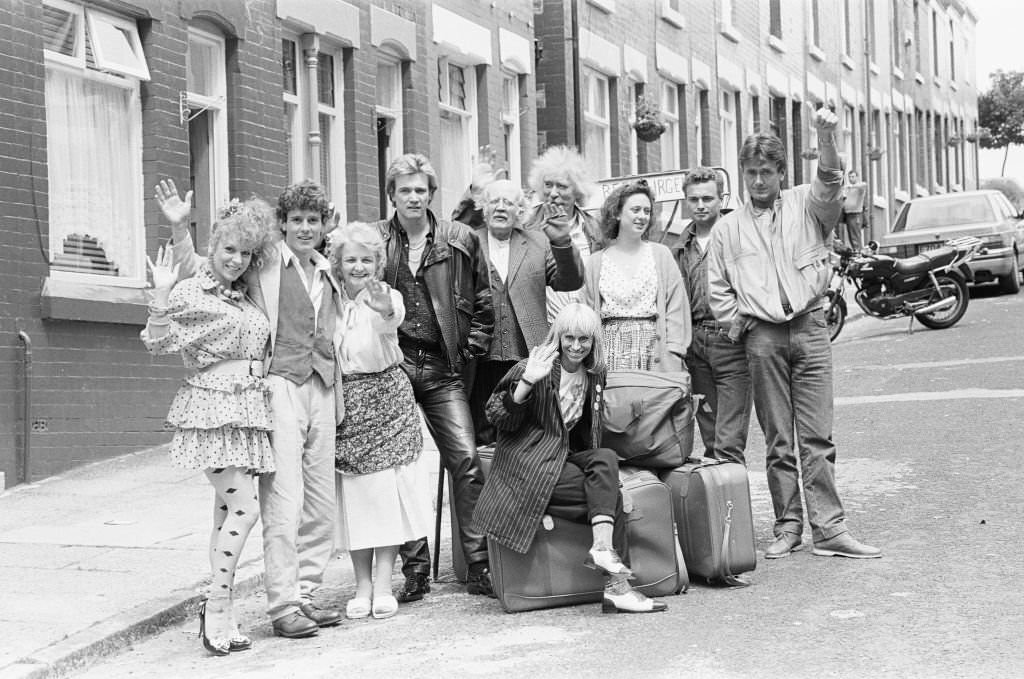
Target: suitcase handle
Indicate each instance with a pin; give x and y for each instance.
(728, 577)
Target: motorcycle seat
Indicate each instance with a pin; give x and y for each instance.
(926, 261)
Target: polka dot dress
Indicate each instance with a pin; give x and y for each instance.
(220, 420)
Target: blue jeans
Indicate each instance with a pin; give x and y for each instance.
(791, 367)
(718, 368)
(442, 395)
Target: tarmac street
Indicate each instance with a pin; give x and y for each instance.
(928, 433)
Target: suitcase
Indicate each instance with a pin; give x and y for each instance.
(551, 573)
(713, 519)
(654, 556)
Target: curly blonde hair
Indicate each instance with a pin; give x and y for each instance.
(360, 233)
(562, 161)
(253, 225)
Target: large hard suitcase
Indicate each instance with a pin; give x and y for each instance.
(654, 557)
(551, 573)
(713, 518)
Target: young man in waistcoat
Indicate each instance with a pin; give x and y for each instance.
(297, 502)
(442, 274)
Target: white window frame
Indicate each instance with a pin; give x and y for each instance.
(294, 119)
(512, 129)
(727, 122)
(451, 188)
(634, 142)
(216, 104)
(597, 84)
(76, 65)
(125, 29)
(334, 152)
(670, 140)
(77, 13)
(393, 114)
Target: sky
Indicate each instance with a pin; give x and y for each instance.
(998, 41)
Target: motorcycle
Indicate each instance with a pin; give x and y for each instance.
(931, 286)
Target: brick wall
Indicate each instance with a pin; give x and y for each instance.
(96, 392)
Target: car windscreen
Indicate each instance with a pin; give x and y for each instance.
(937, 214)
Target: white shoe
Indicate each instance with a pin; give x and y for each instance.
(356, 608)
(606, 560)
(384, 606)
(631, 602)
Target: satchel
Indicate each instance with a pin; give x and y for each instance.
(648, 417)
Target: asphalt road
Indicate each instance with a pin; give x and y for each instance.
(928, 428)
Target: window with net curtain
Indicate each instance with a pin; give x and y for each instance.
(457, 94)
(596, 124)
(94, 143)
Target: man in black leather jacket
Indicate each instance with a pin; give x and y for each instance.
(441, 272)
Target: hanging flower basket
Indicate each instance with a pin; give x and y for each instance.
(876, 154)
(649, 124)
(648, 130)
(809, 154)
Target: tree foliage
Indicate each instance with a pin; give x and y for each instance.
(1001, 110)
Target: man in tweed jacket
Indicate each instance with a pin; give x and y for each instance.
(521, 263)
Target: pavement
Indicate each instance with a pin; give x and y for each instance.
(107, 554)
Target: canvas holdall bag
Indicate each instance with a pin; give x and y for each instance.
(648, 417)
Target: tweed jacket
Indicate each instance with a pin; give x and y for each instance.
(533, 262)
(456, 277)
(264, 288)
(532, 448)
(674, 327)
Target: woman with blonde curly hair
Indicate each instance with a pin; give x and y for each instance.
(221, 414)
(381, 486)
(636, 287)
(560, 180)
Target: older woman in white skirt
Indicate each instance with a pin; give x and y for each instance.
(382, 487)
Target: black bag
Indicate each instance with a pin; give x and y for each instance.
(648, 417)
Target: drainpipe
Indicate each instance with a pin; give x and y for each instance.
(576, 75)
(23, 473)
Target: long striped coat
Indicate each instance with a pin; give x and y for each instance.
(532, 448)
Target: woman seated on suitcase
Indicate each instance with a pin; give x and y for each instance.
(548, 457)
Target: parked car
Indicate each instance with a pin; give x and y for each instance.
(926, 223)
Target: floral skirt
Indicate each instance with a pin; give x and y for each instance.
(381, 428)
(629, 343)
(222, 421)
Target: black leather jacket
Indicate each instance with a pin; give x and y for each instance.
(455, 272)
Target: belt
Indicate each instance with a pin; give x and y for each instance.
(235, 367)
(620, 319)
(711, 326)
(412, 346)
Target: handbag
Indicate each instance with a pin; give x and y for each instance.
(648, 417)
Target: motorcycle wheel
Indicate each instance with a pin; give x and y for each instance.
(835, 314)
(945, 318)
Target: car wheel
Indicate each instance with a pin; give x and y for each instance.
(1010, 283)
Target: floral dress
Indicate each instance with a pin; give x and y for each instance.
(220, 420)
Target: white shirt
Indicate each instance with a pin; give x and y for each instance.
(498, 252)
(365, 341)
(321, 267)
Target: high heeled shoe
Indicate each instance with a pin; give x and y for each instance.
(239, 642)
(214, 646)
(606, 560)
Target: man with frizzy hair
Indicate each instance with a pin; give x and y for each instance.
(440, 271)
(717, 363)
(767, 274)
(297, 292)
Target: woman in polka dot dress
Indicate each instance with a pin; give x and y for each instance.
(636, 287)
(221, 414)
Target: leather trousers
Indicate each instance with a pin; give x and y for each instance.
(442, 396)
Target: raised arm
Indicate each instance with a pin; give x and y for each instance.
(177, 211)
